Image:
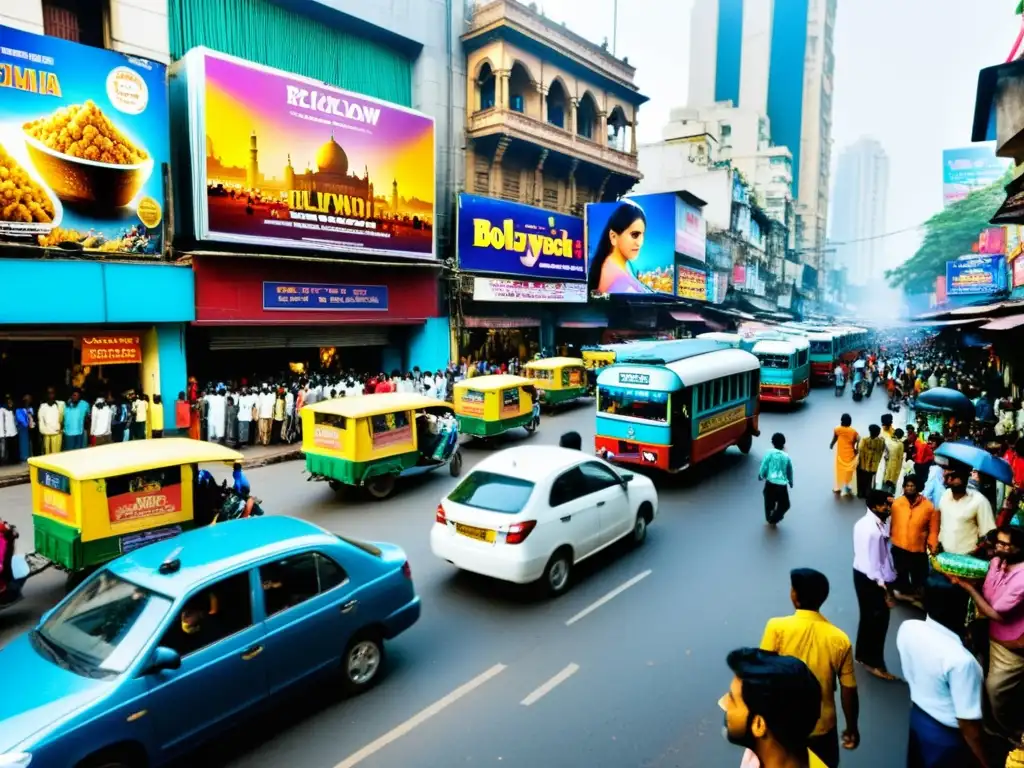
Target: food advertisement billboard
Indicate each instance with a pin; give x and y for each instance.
(84, 140)
(631, 244)
(285, 161)
(499, 237)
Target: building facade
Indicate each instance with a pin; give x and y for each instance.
(775, 58)
(860, 201)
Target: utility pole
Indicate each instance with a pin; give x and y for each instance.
(615, 24)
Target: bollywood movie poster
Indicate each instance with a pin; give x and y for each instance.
(283, 160)
(631, 244)
(84, 140)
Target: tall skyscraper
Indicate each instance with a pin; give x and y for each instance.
(775, 57)
(858, 211)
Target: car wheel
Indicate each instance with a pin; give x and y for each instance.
(455, 467)
(362, 663)
(381, 487)
(115, 758)
(558, 572)
(639, 529)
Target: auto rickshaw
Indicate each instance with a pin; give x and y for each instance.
(558, 379)
(488, 406)
(93, 505)
(370, 441)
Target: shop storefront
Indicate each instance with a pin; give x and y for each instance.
(524, 288)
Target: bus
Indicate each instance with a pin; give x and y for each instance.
(785, 368)
(732, 339)
(824, 356)
(675, 405)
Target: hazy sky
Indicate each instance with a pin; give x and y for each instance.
(906, 72)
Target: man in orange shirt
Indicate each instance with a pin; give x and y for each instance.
(914, 532)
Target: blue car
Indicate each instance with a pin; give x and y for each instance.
(166, 647)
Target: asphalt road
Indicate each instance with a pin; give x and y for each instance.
(624, 670)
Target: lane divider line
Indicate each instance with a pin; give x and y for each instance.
(550, 685)
(607, 598)
(421, 717)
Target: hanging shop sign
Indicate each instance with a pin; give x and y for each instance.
(108, 350)
(970, 275)
(490, 289)
(692, 284)
(641, 231)
(84, 138)
(283, 160)
(324, 297)
(514, 239)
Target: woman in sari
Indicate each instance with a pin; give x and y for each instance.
(845, 440)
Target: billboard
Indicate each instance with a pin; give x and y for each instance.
(691, 231)
(631, 244)
(286, 161)
(971, 275)
(84, 139)
(506, 238)
(969, 168)
(692, 284)
(490, 289)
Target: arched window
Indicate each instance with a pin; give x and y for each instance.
(558, 103)
(617, 127)
(520, 89)
(586, 117)
(485, 84)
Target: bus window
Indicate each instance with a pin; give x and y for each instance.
(821, 347)
(774, 361)
(802, 357)
(635, 403)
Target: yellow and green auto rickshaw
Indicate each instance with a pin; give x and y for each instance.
(92, 505)
(558, 379)
(370, 441)
(488, 406)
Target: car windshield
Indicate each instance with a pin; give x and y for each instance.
(105, 625)
(493, 492)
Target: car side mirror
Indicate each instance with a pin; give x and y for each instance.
(163, 659)
(627, 477)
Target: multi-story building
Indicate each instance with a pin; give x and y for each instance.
(859, 209)
(775, 58)
(550, 123)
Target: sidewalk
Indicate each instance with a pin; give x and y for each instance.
(258, 456)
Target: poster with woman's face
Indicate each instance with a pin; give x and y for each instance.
(631, 244)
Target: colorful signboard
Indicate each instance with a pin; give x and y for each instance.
(149, 501)
(287, 161)
(491, 289)
(691, 231)
(108, 350)
(471, 402)
(631, 244)
(84, 139)
(324, 297)
(510, 402)
(1018, 273)
(506, 238)
(992, 241)
(692, 284)
(969, 168)
(327, 437)
(975, 275)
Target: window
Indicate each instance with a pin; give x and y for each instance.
(567, 487)
(493, 492)
(598, 477)
(774, 361)
(635, 403)
(802, 357)
(821, 347)
(81, 21)
(211, 615)
(556, 116)
(364, 546)
(329, 420)
(103, 628)
(294, 580)
(516, 103)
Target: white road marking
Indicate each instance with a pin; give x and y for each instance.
(610, 596)
(420, 718)
(550, 685)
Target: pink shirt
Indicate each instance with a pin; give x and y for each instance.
(1004, 590)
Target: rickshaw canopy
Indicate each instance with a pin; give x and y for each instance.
(133, 456)
(365, 406)
(553, 363)
(493, 382)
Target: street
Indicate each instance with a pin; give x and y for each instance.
(624, 670)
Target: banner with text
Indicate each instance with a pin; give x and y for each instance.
(692, 284)
(975, 275)
(490, 289)
(324, 297)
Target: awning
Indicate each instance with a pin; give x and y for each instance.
(501, 322)
(936, 323)
(1004, 323)
(688, 317)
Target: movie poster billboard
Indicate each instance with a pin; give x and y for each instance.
(84, 140)
(503, 238)
(970, 275)
(286, 161)
(968, 168)
(631, 244)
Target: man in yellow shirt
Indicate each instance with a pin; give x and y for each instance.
(827, 652)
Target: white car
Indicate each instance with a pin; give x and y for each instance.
(532, 512)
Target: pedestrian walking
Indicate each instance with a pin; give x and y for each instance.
(869, 457)
(873, 572)
(845, 442)
(231, 412)
(8, 432)
(265, 409)
(945, 683)
(771, 708)
(914, 533)
(777, 473)
(140, 417)
(156, 417)
(826, 650)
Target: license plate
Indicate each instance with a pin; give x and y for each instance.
(480, 534)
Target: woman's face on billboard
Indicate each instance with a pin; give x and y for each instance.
(629, 242)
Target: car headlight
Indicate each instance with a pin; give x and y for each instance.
(15, 760)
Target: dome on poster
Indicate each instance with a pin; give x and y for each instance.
(331, 158)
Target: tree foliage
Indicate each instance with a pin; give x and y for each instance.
(948, 234)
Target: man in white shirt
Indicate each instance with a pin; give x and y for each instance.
(8, 434)
(215, 416)
(266, 414)
(945, 687)
(50, 426)
(965, 516)
(873, 572)
(246, 400)
(100, 422)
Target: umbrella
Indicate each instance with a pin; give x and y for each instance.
(979, 460)
(945, 400)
